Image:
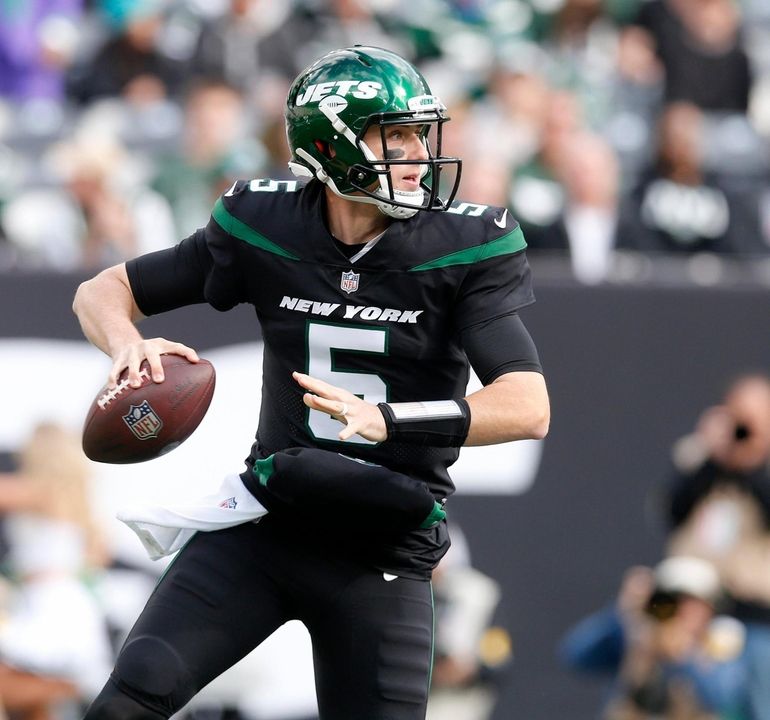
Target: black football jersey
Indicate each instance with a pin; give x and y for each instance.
(385, 323)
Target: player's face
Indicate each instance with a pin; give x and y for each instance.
(402, 142)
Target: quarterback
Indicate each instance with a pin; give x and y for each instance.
(375, 292)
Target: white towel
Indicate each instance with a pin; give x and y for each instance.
(164, 530)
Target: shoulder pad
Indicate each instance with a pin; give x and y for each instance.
(469, 209)
(269, 185)
(489, 213)
(261, 185)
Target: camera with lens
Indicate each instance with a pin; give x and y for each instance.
(662, 604)
(679, 577)
(741, 432)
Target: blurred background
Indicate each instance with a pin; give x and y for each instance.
(630, 138)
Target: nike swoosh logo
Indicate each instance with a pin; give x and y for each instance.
(229, 193)
(501, 221)
(387, 577)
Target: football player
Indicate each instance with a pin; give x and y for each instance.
(373, 291)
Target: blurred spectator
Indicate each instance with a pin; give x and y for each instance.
(486, 180)
(679, 206)
(670, 657)
(216, 149)
(470, 654)
(230, 45)
(700, 45)
(637, 59)
(314, 27)
(537, 195)
(721, 495)
(586, 226)
(720, 510)
(38, 40)
(507, 123)
(634, 101)
(98, 214)
(131, 62)
(54, 646)
(273, 139)
(582, 43)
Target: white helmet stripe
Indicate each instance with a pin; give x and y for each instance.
(336, 121)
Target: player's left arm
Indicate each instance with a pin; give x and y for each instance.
(512, 405)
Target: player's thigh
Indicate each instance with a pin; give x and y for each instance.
(373, 650)
(215, 603)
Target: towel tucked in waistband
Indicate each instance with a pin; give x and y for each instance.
(164, 530)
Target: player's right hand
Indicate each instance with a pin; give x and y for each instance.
(357, 416)
(133, 354)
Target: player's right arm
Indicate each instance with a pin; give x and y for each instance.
(108, 313)
(203, 267)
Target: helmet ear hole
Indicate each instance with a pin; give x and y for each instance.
(324, 148)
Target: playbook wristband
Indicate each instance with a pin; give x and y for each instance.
(440, 423)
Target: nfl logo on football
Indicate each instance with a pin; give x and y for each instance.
(349, 281)
(143, 421)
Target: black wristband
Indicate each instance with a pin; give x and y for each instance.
(440, 423)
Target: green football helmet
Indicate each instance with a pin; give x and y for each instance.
(332, 104)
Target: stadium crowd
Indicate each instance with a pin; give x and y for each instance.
(615, 130)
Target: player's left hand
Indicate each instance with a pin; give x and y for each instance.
(358, 416)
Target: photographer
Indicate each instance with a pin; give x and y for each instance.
(670, 656)
(721, 491)
(719, 509)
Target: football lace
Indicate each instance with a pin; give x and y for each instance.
(110, 395)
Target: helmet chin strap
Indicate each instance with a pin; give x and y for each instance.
(410, 197)
(397, 211)
(394, 211)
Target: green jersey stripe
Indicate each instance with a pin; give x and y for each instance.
(242, 231)
(508, 244)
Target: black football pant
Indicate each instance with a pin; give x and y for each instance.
(229, 590)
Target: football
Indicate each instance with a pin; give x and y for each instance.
(132, 425)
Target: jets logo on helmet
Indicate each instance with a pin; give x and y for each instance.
(359, 89)
(331, 106)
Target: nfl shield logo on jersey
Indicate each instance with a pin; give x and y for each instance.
(143, 421)
(349, 282)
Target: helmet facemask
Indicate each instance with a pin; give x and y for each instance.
(373, 177)
(334, 105)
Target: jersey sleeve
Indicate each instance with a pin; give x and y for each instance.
(225, 286)
(202, 268)
(205, 267)
(170, 278)
(500, 346)
(498, 283)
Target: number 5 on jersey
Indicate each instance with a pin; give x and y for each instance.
(322, 343)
